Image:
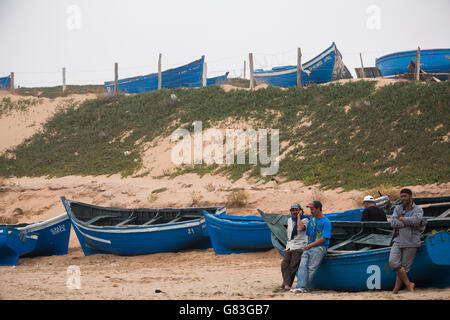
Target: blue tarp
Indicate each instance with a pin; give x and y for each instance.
(4, 82)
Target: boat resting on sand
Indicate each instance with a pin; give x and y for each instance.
(358, 256)
(138, 231)
(237, 234)
(15, 243)
(53, 235)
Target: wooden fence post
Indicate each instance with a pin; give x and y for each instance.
(63, 80)
(362, 66)
(417, 77)
(116, 77)
(159, 72)
(205, 72)
(250, 60)
(299, 68)
(12, 83)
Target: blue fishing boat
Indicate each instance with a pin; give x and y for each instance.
(382, 202)
(217, 80)
(138, 231)
(189, 76)
(327, 66)
(5, 82)
(432, 61)
(15, 243)
(358, 256)
(53, 235)
(237, 234)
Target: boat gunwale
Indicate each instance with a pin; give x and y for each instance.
(137, 228)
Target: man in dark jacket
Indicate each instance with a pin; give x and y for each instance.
(371, 211)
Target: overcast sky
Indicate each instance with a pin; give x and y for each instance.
(39, 37)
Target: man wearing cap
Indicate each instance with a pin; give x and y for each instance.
(406, 221)
(318, 231)
(296, 241)
(371, 211)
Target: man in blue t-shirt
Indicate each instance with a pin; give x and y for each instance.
(318, 231)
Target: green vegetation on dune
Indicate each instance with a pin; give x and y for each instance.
(339, 135)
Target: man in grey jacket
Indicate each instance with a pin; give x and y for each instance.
(406, 222)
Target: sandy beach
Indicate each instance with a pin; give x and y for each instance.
(195, 274)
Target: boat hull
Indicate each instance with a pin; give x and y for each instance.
(234, 234)
(371, 271)
(142, 240)
(54, 235)
(320, 69)
(13, 244)
(435, 61)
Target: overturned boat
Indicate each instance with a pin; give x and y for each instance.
(138, 231)
(358, 256)
(435, 62)
(327, 66)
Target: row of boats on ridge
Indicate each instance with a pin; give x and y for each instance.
(358, 253)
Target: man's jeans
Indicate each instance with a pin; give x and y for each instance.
(309, 265)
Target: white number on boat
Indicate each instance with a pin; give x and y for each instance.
(58, 229)
(374, 280)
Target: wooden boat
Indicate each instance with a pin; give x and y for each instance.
(53, 235)
(327, 66)
(358, 256)
(432, 61)
(138, 231)
(237, 234)
(15, 243)
(5, 82)
(217, 80)
(188, 76)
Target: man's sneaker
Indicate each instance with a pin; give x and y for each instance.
(299, 290)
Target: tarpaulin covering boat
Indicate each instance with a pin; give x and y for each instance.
(358, 256)
(5, 82)
(237, 234)
(53, 235)
(327, 66)
(15, 243)
(138, 231)
(432, 61)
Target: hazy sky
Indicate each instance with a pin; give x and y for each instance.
(39, 37)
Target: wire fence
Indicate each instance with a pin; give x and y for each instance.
(239, 67)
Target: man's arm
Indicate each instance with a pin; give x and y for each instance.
(415, 219)
(395, 223)
(316, 243)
